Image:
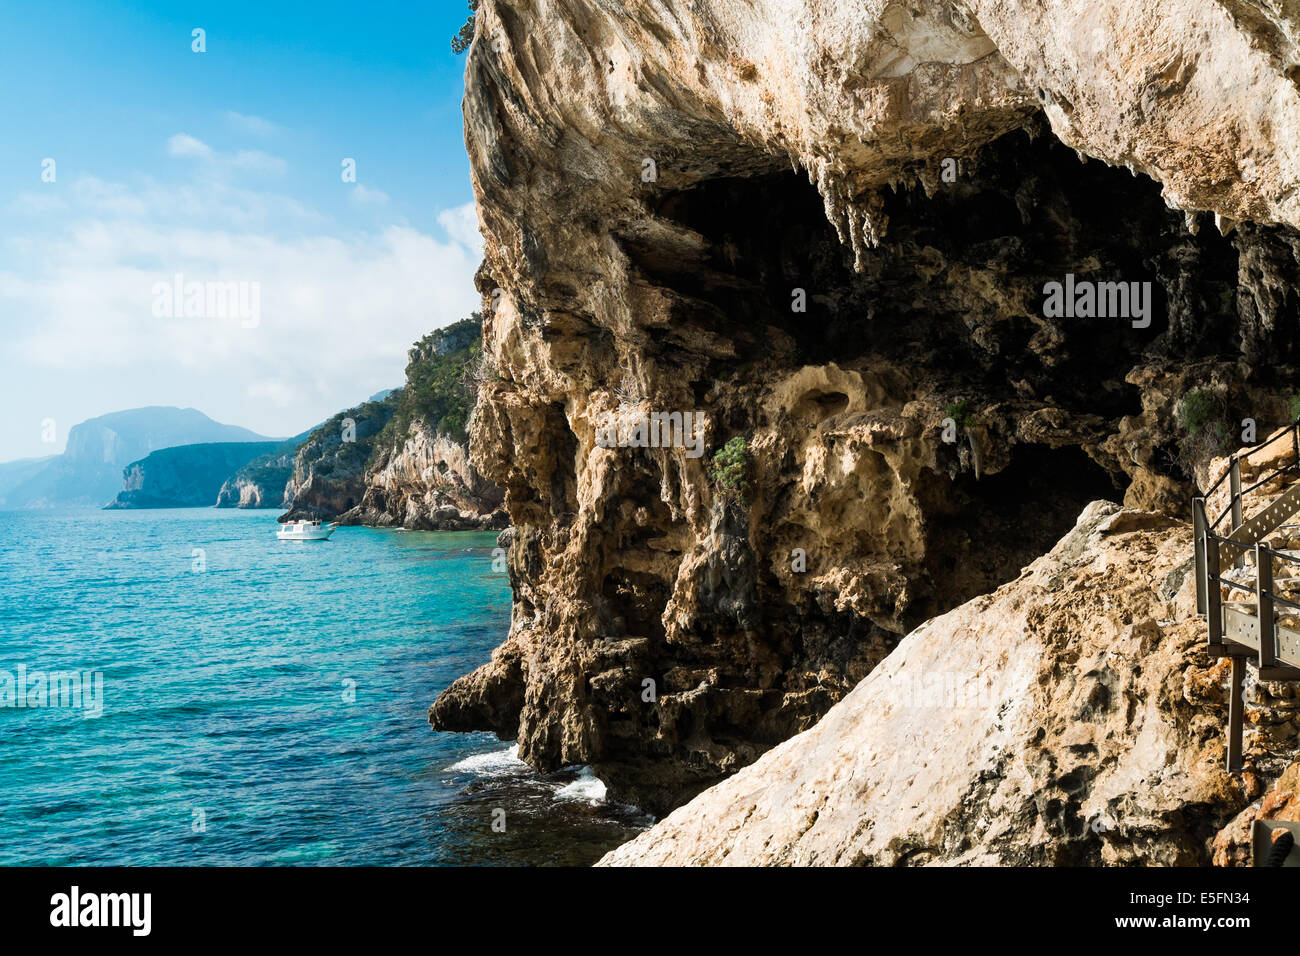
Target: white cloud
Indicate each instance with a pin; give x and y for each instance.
(365, 196)
(254, 160)
(183, 144)
(250, 124)
(326, 303)
(338, 310)
(216, 203)
(461, 225)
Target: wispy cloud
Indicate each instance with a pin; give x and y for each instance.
(185, 146)
(366, 196)
(250, 124)
(461, 224)
(215, 203)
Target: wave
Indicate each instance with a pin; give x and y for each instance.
(588, 788)
(494, 763)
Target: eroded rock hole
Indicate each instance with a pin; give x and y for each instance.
(983, 532)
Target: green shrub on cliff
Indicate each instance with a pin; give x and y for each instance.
(1197, 410)
(730, 469)
(1202, 414)
(465, 35)
(439, 389)
(959, 412)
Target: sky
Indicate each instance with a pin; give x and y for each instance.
(133, 168)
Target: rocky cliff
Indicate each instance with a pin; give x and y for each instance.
(1071, 717)
(329, 467)
(260, 483)
(419, 476)
(187, 476)
(263, 482)
(829, 232)
(426, 483)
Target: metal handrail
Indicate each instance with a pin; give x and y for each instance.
(1233, 474)
(1260, 447)
(1230, 542)
(1210, 584)
(1235, 584)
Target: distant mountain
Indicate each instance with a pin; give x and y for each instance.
(14, 473)
(185, 476)
(89, 472)
(380, 395)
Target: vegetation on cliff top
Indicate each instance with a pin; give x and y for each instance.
(439, 391)
(465, 35)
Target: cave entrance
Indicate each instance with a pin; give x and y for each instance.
(949, 306)
(956, 286)
(983, 532)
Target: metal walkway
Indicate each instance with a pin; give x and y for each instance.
(1227, 558)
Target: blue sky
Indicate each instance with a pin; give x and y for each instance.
(223, 169)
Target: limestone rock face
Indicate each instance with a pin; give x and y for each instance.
(427, 484)
(1071, 717)
(261, 483)
(329, 467)
(827, 228)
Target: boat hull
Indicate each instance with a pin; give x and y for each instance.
(308, 534)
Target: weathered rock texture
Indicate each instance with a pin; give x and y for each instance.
(426, 483)
(1072, 717)
(1282, 802)
(646, 243)
(419, 476)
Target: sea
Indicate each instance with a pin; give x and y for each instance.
(261, 702)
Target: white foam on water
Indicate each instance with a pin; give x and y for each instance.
(494, 763)
(587, 787)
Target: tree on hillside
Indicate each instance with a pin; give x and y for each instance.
(461, 41)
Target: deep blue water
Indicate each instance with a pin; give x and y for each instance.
(228, 735)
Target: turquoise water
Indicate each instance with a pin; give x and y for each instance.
(264, 702)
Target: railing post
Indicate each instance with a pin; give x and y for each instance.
(1264, 603)
(1295, 442)
(1236, 715)
(1234, 488)
(1199, 527)
(1213, 594)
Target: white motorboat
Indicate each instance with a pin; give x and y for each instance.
(306, 530)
